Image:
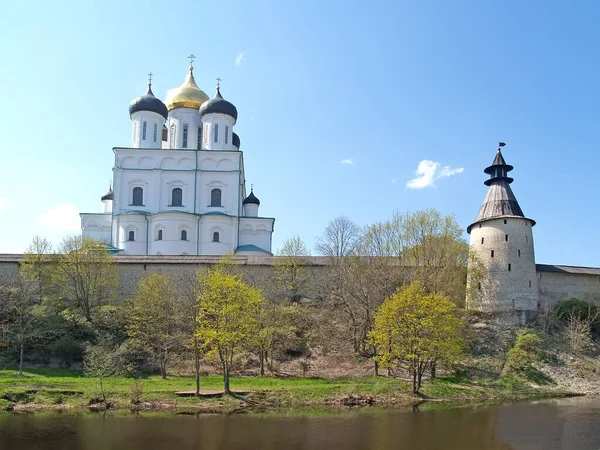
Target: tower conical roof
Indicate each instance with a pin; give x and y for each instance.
(148, 102)
(218, 104)
(500, 201)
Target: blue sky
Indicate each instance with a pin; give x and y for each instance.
(339, 104)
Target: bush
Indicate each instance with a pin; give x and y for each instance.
(566, 310)
(5, 405)
(524, 353)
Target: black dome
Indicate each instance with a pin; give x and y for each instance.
(235, 140)
(109, 195)
(218, 104)
(251, 199)
(148, 102)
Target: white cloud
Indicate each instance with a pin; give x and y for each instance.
(61, 217)
(429, 171)
(349, 161)
(239, 60)
(3, 203)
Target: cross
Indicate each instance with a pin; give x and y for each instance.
(150, 79)
(191, 58)
(252, 188)
(218, 82)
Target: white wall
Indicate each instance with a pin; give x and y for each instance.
(179, 117)
(152, 119)
(222, 120)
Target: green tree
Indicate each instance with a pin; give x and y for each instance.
(100, 362)
(227, 311)
(85, 274)
(156, 318)
(414, 328)
(291, 268)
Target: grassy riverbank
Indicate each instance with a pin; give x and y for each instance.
(42, 389)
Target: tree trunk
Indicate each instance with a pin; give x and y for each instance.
(376, 367)
(433, 367)
(226, 389)
(21, 360)
(262, 362)
(197, 366)
(414, 380)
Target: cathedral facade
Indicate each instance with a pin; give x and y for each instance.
(180, 188)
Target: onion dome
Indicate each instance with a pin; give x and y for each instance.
(251, 199)
(110, 194)
(188, 95)
(219, 105)
(148, 102)
(235, 140)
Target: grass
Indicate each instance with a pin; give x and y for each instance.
(62, 389)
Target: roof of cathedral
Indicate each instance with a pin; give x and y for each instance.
(500, 201)
(235, 140)
(148, 102)
(109, 195)
(218, 104)
(251, 199)
(188, 95)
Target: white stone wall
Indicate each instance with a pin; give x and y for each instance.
(557, 286)
(256, 231)
(96, 226)
(178, 118)
(511, 241)
(224, 122)
(152, 120)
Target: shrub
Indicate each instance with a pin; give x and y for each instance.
(524, 352)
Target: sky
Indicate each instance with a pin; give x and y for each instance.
(345, 107)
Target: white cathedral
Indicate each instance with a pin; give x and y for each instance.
(180, 189)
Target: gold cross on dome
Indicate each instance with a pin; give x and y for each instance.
(191, 58)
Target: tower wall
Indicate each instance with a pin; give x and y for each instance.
(500, 288)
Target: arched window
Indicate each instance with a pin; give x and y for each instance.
(155, 132)
(138, 196)
(199, 138)
(176, 197)
(185, 136)
(226, 133)
(183, 235)
(159, 237)
(215, 197)
(216, 137)
(131, 236)
(216, 236)
(172, 137)
(144, 127)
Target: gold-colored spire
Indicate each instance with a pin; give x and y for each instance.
(188, 95)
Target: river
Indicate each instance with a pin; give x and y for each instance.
(567, 424)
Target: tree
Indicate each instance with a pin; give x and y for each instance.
(156, 318)
(416, 329)
(227, 310)
(100, 362)
(339, 238)
(290, 267)
(36, 267)
(85, 274)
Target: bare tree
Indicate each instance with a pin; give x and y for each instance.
(339, 238)
(291, 267)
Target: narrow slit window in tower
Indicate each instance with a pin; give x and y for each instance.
(506, 237)
(226, 133)
(492, 253)
(526, 238)
(131, 236)
(482, 240)
(529, 283)
(513, 301)
(183, 235)
(155, 133)
(519, 253)
(509, 267)
(479, 286)
(216, 137)
(185, 136)
(199, 138)
(505, 221)
(144, 126)
(172, 137)
(159, 237)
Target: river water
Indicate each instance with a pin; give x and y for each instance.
(569, 424)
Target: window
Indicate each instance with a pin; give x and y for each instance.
(216, 236)
(131, 236)
(513, 300)
(185, 135)
(526, 238)
(177, 197)
(506, 237)
(159, 237)
(205, 134)
(215, 197)
(226, 133)
(505, 221)
(519, 251)
(509, 267)
(199, 138)
(155, 132)
(529, 283)
(492, 253)
(138, 196)
(479, 286)
(216, 137)
(144, 126)
(183, 235)
(172, 137)
(482, 240)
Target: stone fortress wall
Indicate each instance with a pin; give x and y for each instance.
(555, 283)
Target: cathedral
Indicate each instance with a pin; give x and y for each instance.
(180, 188)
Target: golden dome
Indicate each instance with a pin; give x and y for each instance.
(188, 95)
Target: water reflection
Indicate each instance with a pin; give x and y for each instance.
(565, 424)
